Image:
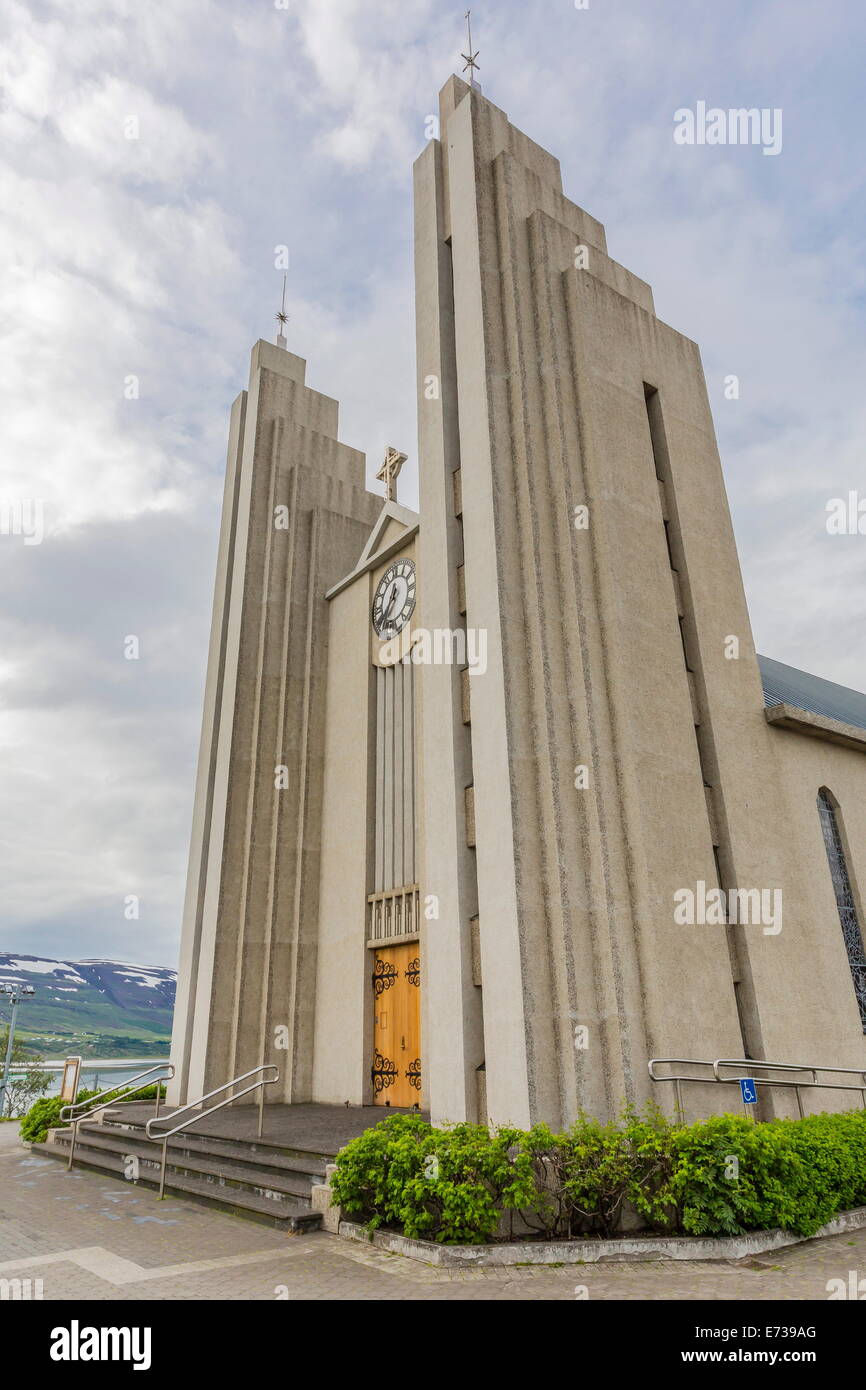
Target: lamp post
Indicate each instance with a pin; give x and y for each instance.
(15, 993)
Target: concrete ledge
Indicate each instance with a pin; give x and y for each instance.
(572, 1252)
(816, 726)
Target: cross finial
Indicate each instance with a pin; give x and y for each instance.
(390, 471)
(470, 56)
(282, 318)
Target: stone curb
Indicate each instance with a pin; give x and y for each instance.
(591, 1251)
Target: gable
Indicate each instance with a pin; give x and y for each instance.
(393, 523)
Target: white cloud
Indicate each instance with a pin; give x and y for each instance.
(120, 129)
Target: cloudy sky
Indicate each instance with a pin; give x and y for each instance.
(257, 124)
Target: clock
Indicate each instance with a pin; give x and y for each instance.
(394, 599)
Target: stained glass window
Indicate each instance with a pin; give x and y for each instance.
(844, 899)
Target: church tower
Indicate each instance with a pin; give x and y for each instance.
(573, 510)
(295, 515)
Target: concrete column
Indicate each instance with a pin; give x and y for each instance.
(298, 523)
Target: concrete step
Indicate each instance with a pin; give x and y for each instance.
(240, 1173)
(243, 1191)
(266, 1153)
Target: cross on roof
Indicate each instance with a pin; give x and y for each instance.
(470, 56)
(282, 318)
(390, 471)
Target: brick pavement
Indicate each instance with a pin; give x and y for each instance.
(89, 1237)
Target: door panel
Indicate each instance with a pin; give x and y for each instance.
(396, 1067)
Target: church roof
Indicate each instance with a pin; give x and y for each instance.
(785, 685)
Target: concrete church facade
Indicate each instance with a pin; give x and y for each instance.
(482, 792)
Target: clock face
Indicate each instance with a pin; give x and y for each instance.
(394, 599)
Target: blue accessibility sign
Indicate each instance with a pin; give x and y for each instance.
(748, 1090)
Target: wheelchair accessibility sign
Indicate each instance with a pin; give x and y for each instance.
(748, 1090)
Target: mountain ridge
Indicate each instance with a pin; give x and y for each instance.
(96, 1007)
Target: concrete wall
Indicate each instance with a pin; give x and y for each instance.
(808, 1007)
(343, 1046)
(249, 944)
(368, 822)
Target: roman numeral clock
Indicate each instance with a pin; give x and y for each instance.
(394, 599)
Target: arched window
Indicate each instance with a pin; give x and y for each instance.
(844, 898)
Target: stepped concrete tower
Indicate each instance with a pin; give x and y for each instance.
(295, 514)
(490, 811)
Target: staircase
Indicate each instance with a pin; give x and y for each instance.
(261, 1179)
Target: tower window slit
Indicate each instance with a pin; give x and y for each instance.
(845, 903)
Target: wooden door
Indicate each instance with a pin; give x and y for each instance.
(396, 1069)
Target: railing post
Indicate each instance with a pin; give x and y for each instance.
(261, 1107)
(72, 1145)
(162, 1173)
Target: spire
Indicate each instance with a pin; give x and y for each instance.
(470, 57)
(282, 318)
(389, 472)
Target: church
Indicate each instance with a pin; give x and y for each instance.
(496, 804)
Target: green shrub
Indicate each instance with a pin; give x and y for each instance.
(149, 1093)
(650, 1138)
(731, 1175)
(718, 1177)
(596, 1169)
(603, 1168)
(551, 1214)
(829, 1157)
(794, 1174)
(45, 1113)
(448, 1185)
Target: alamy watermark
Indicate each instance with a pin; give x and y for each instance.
(854, 1287)
(22, 516)
(21, 1290)
(702, 906)
(77, 1343)
(441, 646)
(739, 125)
(846, 516)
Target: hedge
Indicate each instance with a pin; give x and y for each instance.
(717, 1177)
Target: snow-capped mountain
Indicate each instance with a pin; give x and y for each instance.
(78, 1002)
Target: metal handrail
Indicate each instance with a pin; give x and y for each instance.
(794, 1066)
(165, 1135)
(95, 1103)
(753, 1064)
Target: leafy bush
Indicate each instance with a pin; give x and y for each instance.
(717, 1177)
(732, 1175)
(45, 1114)
(794, 1174)
(596, 1171)
(828, 1156)
(149, 1093)
(448, 1185)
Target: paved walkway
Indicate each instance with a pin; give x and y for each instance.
(89, 1237)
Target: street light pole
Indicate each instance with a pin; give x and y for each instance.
(16, 992)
